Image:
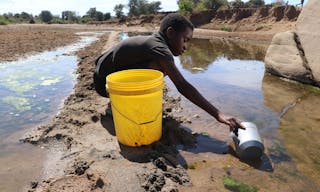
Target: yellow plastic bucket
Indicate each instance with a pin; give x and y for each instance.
(136, 102)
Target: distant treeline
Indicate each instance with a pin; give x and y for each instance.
(46, 17)
(136, 8)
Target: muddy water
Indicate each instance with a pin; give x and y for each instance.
(231, 75)
(31, 92)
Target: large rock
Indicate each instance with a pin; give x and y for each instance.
(295, 55)
(201, 17)
(283, 58)
(308, 30)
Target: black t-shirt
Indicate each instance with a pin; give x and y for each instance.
(132, 53)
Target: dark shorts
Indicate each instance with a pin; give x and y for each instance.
(100, 85)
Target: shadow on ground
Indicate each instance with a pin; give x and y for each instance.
(174, 137)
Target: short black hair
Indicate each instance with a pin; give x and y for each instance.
(178, 22)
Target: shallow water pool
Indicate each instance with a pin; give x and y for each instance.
(231, 75)
(31, 92)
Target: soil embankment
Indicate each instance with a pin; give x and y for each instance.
(15, 40)
(266, 18)
(254, 24)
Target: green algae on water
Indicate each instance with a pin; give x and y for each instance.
(20, 103)
(28, 80)
(237, 186)
(19, 87)
(51, 81)
(205, 134)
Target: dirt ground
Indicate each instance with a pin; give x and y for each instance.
(21, 40)
(90, 157)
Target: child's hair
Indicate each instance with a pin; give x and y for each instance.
(178, 22)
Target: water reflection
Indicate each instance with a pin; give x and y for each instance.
(202, 52)
(231, 75)
(299, 126)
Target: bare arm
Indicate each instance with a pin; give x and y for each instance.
(191, 93)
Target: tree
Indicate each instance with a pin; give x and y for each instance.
(154, 7)
(133, 8)
(143, 7)
(22, 17)
(69, 16)
(214, 4)
(278, 2)
(46, 16)
(99, 16)
(255, 3)
(185, 6)
(190, 5)
(92, 12)
(237, 4)
(106, 16)
(25, 16)
(118, 9)
(95, 15)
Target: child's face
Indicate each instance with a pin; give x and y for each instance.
(178, 41)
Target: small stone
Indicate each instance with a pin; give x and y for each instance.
(34, 184)
(89, 176)
(99, 183)
(196, 116)
(160, 163)
(168, 110)
(80, 167)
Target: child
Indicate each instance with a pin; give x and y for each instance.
(156, 52)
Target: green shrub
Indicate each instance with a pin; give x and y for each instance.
(57, 21)
(85, 20)
(228, 29)
(4, 21)
(185, 6)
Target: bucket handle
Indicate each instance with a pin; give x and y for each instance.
(143, 123)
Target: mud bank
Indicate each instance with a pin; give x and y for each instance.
(15, 39)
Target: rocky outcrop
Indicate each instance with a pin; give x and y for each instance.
(267, 12)
(295, 55)
(284, 58)
(203, 17)
(291, 13)
(262, 12)
(253, 19)
(278, 12)
(241, 14)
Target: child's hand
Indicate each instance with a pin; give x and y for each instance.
(231, 121)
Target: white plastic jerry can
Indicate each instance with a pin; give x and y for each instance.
(248, 142)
